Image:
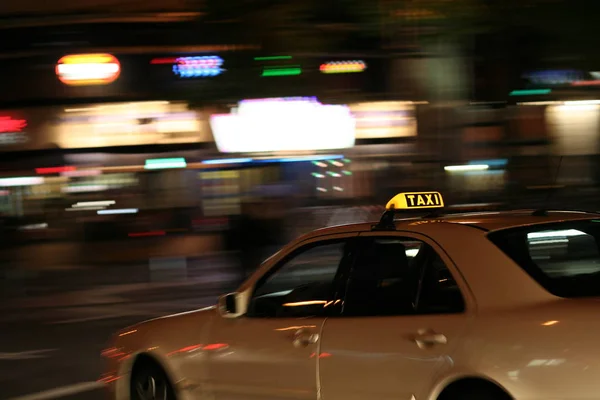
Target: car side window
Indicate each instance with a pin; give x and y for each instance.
(438, 291)
(399, 276)
(302, 285)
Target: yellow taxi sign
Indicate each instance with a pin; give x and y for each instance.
(415, 201)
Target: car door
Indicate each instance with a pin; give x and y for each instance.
(271, 352)
(403, 315)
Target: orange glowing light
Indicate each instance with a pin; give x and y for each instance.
(108, 378)
(550, 323)
(343, 67)
(215, 346)
(88, 69)
(305, 303)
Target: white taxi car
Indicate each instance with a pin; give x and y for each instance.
(497, 305)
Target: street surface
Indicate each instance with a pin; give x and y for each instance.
(50, 344)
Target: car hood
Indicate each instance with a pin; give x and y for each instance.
(166, 334)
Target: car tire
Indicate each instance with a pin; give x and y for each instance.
(149, 382)
(475, 393)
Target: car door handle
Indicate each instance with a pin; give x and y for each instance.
(303, 338)
(426, 339)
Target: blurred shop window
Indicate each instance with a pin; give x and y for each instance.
(488, 182)
(527, 124)
(574, 128)
(6, 202)
(220, 192)
(173, 187)
(483, 132)
(100, 183)
(576, 171)
(482, 141)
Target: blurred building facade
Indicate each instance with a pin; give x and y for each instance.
(186, 135)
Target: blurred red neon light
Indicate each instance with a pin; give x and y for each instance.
(144, 234)
(185, 349)
(53, 170)
(170, 60)
(8, 124)
(586, 83)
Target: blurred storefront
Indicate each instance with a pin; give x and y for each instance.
(555, 134)
(329, 153)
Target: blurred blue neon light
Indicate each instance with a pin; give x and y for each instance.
(304, 158)
(165, 163)
(228, 161)
(501, 162)
(273, 160)
(198, 67)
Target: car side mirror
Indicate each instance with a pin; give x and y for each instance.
(229, 306)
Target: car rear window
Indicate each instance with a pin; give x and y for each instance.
(562, 257)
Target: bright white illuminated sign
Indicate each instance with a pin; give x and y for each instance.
(284, 124)
(118, 211)
(384, 119)
(21, 181)
(130, 124)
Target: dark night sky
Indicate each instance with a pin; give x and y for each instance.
(66, 6)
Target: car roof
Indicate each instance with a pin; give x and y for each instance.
(492, 221)
(485, 221)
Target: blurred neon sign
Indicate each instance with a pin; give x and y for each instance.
(194, 67)
(384, 119)
(131, 124)
(283, 124)
(12, 130)
(282, 71)
(54, 170)
(9, 125)
(530, 92)
(165, 163)
(198, 67)
(551, 78)
(88, 69)
(21, 181)
(343, 67)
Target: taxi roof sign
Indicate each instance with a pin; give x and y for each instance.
(406, 202)
(415, 201)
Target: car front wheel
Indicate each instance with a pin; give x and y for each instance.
(474, 392)
(151, 383)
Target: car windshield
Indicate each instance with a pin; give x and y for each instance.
(562, 257)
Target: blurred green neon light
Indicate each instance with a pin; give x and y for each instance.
(272, 58)
(529, 92)
(282, 71)
(165, 163)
